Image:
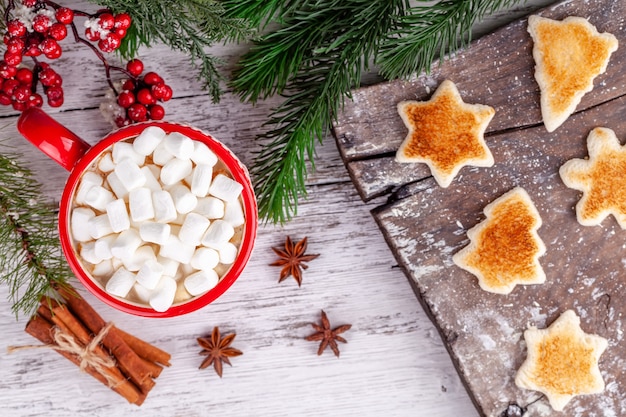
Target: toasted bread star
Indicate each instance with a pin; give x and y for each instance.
(600, 178)
(504, 249)
(562, 361)
(568, 55)
(445, 133)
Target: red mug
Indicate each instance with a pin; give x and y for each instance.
(76, 155)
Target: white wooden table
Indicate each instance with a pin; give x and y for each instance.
(394, 363)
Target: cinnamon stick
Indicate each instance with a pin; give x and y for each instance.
(146, 350)
(42, 330)
(128, 361)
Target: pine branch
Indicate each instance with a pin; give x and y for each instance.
(428, 31)
(317, 56)
(30, 254)
(327, 57)
(188, 26)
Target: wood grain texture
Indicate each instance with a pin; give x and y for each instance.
(425, 224)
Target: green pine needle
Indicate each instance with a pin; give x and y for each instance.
(31, 260)
(189, 26)
(316, 57)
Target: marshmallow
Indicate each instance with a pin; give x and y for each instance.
(150, 274)
(88, 253)
(142, 293)
(177, 250)
(179, 145)
(129, 174)
(218, 234)
(201, 179)
(125, 150)
(120, 282)
(161, 156)
(126, 243)
(164, 208)
(193, 228)
(175, 170)
(201, 281)
(184, 200)
(202, 154)
(88, 180)
(228, 254)
(102, 247)
(148, 140)
(103, 269)
(98, 197)
(233, 213)
(170, 266)
(106, 164)
(99, 226)
(117, 186)
(140, 204)
(205, 259)
(210, 207)
(151, 179)
(79, 223)
(154, 232)
(118, 215)
(163, 295)
(135, 260)
(225, 188)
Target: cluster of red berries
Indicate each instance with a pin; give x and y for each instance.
(17, 86)
(39, 35)
(140, 95)
(108, 30)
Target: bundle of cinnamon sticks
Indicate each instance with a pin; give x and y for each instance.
(126, 364)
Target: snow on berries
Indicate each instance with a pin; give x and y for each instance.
(108, 30)
(138, 98)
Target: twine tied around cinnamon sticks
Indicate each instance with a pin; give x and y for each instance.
(88, 356)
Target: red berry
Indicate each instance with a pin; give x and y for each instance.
(19, 105)
(157, 112)
(5, 99)
(110, 43)
(92, 35)
(50, 48)
(30, 3)
(128, 85)
(21, 93)
(16, 28)
(137, 112)
(12, 59)
(15, 45)
(64, 15)
(55, 102)
(24, 76)
(152, 78)
(121, 121)
(6, 70)
(35, 100)
(58, 31)
(125, 99)
(41, 23)
(135, 67)
(9, 85)
(106, 21)
(122, 20)
(49, 78)
(54, 93)
(162, 91)
(121, 32)
(144, 96)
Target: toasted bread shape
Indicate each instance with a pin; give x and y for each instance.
(568, 55)
(505, 248)
(562, 361)
(600, 178)
(445, 133)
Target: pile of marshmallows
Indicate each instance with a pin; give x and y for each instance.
(150, 215)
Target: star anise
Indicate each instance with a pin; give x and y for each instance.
(327, 336)
(292, 259)
(217, 350)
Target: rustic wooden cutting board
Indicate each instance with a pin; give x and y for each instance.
(425, 225)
